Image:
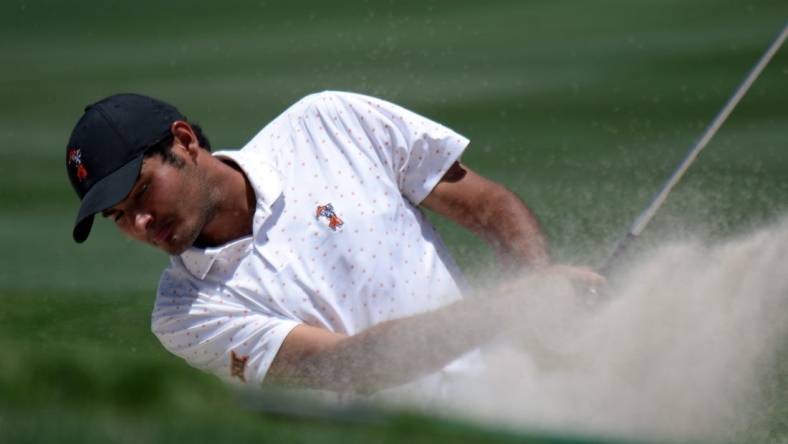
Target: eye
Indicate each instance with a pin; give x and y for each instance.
(143, 189)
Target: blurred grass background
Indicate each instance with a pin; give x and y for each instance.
(583, 108)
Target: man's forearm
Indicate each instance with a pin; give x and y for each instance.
(494, 213)
(396, 351)
(513, 231)
(402, 350)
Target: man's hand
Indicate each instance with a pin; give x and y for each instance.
(584, 279)
(546, 310)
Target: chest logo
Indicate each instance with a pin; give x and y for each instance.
(326, 212)
(75, 160)
(238, 366)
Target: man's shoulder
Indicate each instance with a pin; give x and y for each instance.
(314, 105)
(327, 95)
(315, 99)
(330, 99)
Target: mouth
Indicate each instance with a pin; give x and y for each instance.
(162, 233)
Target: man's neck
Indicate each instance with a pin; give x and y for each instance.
(234, 203)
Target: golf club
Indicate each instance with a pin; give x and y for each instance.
(645, 217)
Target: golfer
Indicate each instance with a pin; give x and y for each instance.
(304, 259)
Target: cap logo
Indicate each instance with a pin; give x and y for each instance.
(75, 160)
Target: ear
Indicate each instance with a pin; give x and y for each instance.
(184, 138)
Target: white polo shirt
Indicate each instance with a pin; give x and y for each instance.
(337, 240)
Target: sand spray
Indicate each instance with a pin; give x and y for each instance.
(690, 344)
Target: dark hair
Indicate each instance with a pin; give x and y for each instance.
(164, 146)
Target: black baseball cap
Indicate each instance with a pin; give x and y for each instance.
(104, 154)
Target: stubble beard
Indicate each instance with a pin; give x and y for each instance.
(206, 209)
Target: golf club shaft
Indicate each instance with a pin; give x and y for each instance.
(645, 217)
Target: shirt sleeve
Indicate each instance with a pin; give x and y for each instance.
(414, 150)
(214, 332)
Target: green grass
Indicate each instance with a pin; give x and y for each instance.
(582, 108)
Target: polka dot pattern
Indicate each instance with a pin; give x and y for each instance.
(373, 162)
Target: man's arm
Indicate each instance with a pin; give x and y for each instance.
(386, 355)
(494, 213)
(402, 350)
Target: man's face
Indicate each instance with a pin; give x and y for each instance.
(168, 206)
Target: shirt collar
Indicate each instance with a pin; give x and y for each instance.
(199, 261)
(267, 185)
